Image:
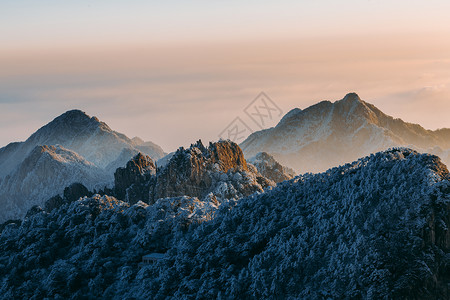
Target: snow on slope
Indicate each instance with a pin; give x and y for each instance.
(45, 172)
(377, 228)
(328, 134)
(270, 168)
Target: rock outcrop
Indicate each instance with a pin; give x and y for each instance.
(220, 169)
(133, 182)
(75, 191)
(218, 172)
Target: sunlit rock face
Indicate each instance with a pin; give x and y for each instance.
(220, 169)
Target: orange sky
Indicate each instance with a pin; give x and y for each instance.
(176, 90)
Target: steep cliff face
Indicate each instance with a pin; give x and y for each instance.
(133, 182)
(217, 172)
(227, 155)
(219, 169)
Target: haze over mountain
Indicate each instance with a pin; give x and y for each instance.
(75, 130)
(329, 134)
(46, 171)
(74, 147)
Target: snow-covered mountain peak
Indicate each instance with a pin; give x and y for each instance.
(331, 133)
(352, 107)
(61, 155)
(75, 130)
(73, 147)
(74, 119)
(74, 114)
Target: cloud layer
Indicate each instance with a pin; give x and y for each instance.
(175, 94)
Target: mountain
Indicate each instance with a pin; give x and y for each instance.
(218, 171)
(270, 168)
(85, 135)
(74, 147)
(46, 171)
(377, 228)
(329, 134)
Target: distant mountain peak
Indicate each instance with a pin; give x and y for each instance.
(76, 118)
(352, 104)
(75, 113)
(331, 133)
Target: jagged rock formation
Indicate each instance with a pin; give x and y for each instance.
(71, 193)
(329, 134)
(198, 171)
(46, 171)
(219, 171)
(377, 228)
(133, 182)
(270, 168)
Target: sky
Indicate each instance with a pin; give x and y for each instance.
(175, 71)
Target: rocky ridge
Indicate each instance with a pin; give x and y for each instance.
(218, 171)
